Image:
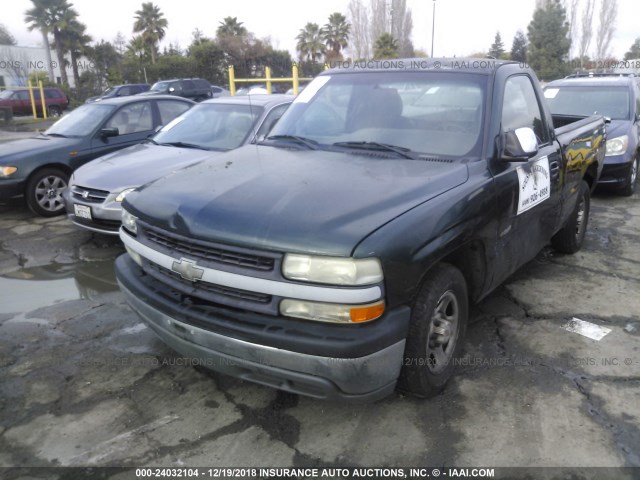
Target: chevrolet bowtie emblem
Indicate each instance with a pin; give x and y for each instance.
(187, 269)
(85, 194)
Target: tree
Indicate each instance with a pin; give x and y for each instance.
(386, 47)
(586, 30)
(519, 47)
(359, 19)
(231, 27)
(5, 36)
(310, 45)
(497, 48)
(77, 42)
(634, 51)
(401, 27)
(607, 18)
(209, 60)
(335, 35)
(150, 22)
(52, 16)
(548, 41)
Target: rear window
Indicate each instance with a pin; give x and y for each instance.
(578, 100)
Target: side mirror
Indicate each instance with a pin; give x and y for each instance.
(109, 132)
(607, 119)
(519, 145)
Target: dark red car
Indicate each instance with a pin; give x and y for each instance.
(19, 101)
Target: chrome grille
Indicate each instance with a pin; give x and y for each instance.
(90, 195)
(197, 249)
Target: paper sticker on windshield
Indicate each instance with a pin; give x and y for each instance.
(535, 184)
(310, 90)
(172, 124)
(551, 92)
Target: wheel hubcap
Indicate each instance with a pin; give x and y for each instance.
(49, 193)
(443, 332)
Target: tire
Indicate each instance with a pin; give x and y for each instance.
(436, 332)
(571, 237)
(630, 187)
(44, 192)
(54, 111)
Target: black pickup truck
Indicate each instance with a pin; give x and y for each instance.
(337, 258)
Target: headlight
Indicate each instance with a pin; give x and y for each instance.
(123, 194)
(617, 146)
(332, 270)
(329, 312)
(129, 222)
(7, 171)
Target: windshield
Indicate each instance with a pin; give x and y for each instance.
(108, 91)
(6, 94)
(160, 87)
(215, 126)
(82, 121)
(437, 114)
(612, 102)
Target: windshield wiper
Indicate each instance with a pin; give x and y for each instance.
(307, 142)
(55, 135)
(183, 145)
(402, 151)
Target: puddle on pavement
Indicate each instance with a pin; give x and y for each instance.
(35, 287)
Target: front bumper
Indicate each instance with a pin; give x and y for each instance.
(105, 217)
(10, 188)
(334, 375)
(615, 172)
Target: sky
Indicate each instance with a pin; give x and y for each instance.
(462, 27)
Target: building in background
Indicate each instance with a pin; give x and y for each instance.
(17, 63)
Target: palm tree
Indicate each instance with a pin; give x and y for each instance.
(77, 42)
(386, 47)
(151, 23)
(52, 16)
(231, 27)
(335, 34)
(310, 43)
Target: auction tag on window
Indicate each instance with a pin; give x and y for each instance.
(534, 184)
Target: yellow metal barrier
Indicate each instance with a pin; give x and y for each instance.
(33, 100)
(294, 79)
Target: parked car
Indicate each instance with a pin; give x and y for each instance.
(20, 101)
(97, 189)
(618, 98)
(217, 92)
(38, 168)
(337, 258)
(120, 91)
(195, 89)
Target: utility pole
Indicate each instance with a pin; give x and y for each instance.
(433, 26)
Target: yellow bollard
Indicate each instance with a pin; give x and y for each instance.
(294, 74)
(267, 74)
(44, 101)
(33, 101)
(232, 81)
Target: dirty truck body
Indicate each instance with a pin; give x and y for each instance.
(337, 258)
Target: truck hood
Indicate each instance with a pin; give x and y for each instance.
(28, 147)
(136, 165)
(297, 201)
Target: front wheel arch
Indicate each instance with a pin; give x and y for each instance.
(436, 332)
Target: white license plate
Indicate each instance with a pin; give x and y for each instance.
(82, 211)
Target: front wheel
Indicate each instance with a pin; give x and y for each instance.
(630, 187)
(44, 192)
(571, 237)
(437, 330)
(54, 111)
